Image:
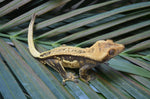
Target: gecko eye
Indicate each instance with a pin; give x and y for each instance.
(111, 52)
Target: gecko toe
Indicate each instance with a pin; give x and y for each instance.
(70, 77)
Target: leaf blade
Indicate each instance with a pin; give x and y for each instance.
(26, 76)
(88, 20)
(9, 90)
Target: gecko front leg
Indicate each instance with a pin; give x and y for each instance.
(85, 73)
(58, 66)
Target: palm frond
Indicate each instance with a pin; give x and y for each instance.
(125, 76)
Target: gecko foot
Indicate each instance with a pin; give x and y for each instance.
(70, 77)
(86, 78)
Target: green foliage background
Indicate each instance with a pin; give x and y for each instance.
(75, 23)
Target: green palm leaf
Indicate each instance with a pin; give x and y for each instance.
(125, 76)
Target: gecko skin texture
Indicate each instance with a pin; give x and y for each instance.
(75, 57)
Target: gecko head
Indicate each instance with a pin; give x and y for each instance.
(105, 50)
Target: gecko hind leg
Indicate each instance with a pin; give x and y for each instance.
(70, 77)
(57, 65)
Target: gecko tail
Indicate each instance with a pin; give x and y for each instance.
(31, 45)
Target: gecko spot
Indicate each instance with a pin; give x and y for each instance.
(99, 49)
(99, 44)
